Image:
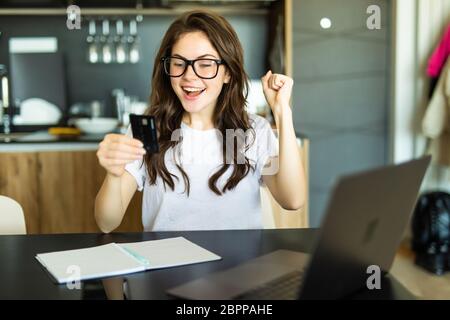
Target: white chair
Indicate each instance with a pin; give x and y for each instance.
(12, 220)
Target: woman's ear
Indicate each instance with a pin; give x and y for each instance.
(227, 77)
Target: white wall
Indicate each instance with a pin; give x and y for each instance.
(341, 95)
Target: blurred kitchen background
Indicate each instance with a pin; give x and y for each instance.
(111, 55)
(360, 88)
(71, 74)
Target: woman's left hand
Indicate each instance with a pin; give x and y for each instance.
(277, 90)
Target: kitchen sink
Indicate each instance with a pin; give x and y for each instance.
(13, 135)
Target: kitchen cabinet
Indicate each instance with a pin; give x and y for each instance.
(295, 218)
(18, 180)
(274, 216)
(57, 190)
(67, 181)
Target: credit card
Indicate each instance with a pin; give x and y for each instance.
(144, 129)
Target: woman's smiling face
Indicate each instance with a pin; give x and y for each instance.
(197, 95)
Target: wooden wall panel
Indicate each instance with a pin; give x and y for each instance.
(295, 218)
(18, 180)
(69, 182)
(274, 216)
(132, 221)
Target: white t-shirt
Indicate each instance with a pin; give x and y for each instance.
(164, 209)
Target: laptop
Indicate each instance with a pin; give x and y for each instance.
(363, 226)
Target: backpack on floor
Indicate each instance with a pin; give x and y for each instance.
(431, 232)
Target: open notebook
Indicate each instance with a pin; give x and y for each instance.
(115, 259)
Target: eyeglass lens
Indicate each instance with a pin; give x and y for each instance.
(203, 68)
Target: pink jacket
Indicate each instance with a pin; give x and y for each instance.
(439, 56)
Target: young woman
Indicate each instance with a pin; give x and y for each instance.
(213, 155)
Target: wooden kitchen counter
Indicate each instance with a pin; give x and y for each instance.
(56, 185)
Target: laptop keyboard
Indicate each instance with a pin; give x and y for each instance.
(282, 288)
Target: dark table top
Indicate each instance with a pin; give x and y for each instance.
(23, 277)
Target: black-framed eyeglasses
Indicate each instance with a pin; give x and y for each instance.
(204, 68)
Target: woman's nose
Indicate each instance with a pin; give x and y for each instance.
(190, 74)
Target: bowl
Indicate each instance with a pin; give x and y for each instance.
(96, 125)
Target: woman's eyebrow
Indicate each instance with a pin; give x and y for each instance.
(199, 57)
(207, 55)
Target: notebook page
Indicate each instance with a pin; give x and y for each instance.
(95, 262)
(170, 252)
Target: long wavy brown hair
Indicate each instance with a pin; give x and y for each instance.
(229, 112)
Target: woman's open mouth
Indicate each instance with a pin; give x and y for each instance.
(192, 92)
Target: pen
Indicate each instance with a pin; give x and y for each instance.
(137, 256)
